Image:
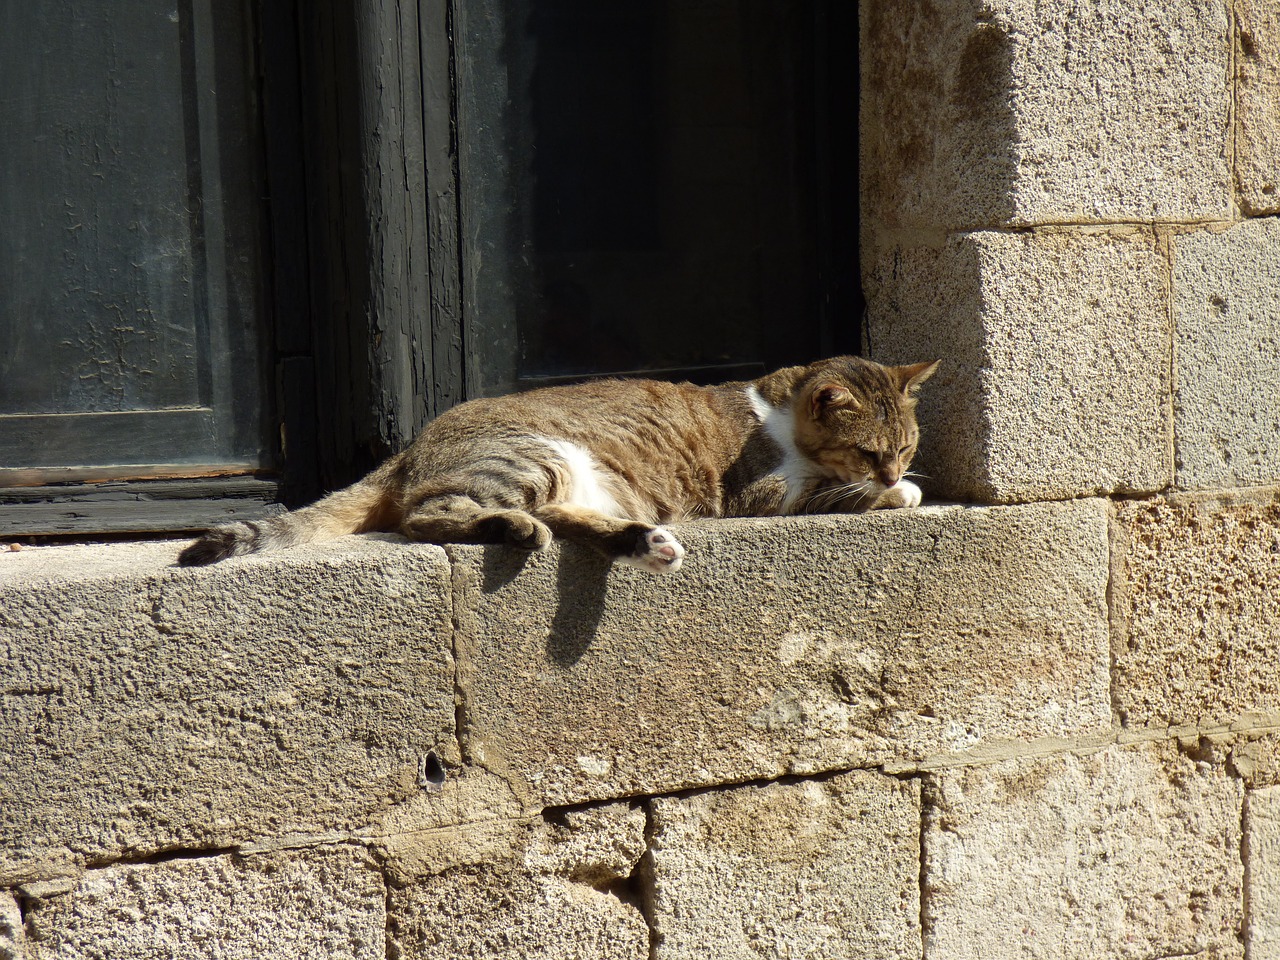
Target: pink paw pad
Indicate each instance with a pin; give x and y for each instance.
(658, 552)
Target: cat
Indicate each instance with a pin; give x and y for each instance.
(607, 462)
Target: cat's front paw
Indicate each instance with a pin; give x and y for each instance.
(904, 493)
(657, 551)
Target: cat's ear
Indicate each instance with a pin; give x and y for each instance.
(828, 396)
(910, 377)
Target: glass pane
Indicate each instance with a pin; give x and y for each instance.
(128, 336)
(645, 185)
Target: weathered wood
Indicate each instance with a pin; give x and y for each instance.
(134, 506)
(286, 163)
(439, 106)
(492, 272)
(394, 192)
(129, 268)
(299, 432)
(337, 255)
(368, 219)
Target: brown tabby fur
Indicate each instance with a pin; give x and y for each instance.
(604, 463)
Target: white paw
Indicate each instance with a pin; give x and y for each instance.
(658, 551)
(904, 493)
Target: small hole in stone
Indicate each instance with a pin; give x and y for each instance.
(431, 772)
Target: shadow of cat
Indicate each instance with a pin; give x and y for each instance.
(581, 580)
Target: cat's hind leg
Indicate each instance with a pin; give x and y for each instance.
(628, 541)
(457, 518)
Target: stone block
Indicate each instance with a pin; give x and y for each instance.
(327, 903)
(784, 646)
(556, 888)
(1055, 350)
(978, 114)
(1258, 106)
(820, 868)
(1227, 356)
(147, 708)
(1196, 616)
(1129, 852)
(12, 934)
(1262, 873)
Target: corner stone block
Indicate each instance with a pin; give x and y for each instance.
(326, 902)
(560, 890)
(1195, 594)
(1262, 873)
(147, 708)
(1227, 374)
(1130, 852)
(784, 646)
(1055, 350)
(821, 868)
(1012, 112)
(1258, 107)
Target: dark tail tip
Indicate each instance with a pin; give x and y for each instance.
(210, 548)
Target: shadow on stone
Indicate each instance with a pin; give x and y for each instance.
(580, 585)
(500, 566)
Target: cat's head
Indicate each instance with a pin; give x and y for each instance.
(855, 419)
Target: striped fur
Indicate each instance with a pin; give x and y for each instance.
(607, 463)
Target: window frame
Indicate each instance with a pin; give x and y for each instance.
(374, 139)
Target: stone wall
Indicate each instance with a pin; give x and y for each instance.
(1046, 729)
(1075, 207)
(1042, 724)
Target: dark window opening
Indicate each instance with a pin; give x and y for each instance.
(655, 188)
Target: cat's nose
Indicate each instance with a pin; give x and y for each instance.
(890, 474)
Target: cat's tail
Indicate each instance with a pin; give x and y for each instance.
(362, 507)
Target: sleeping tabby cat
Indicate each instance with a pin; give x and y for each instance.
(605, 463)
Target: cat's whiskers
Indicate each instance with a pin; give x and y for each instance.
(825, 497)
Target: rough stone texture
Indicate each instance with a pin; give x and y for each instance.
(148, 708)
(1258, 106)
(1227, 320)
(820, 869)
(560, 889)
(1262, 873)
(317, 903)
(1055, 345)
(784, 646)
(11, 932)
(1196, 616)
(1127, 853)
(978, 113)
(1254, 754)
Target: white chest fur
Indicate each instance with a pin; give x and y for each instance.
(779, 423)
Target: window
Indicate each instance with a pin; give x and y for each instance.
(258, 250)
(648, 186)
(130, 296)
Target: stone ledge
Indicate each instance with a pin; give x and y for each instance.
(784, 647)
(146, 708)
